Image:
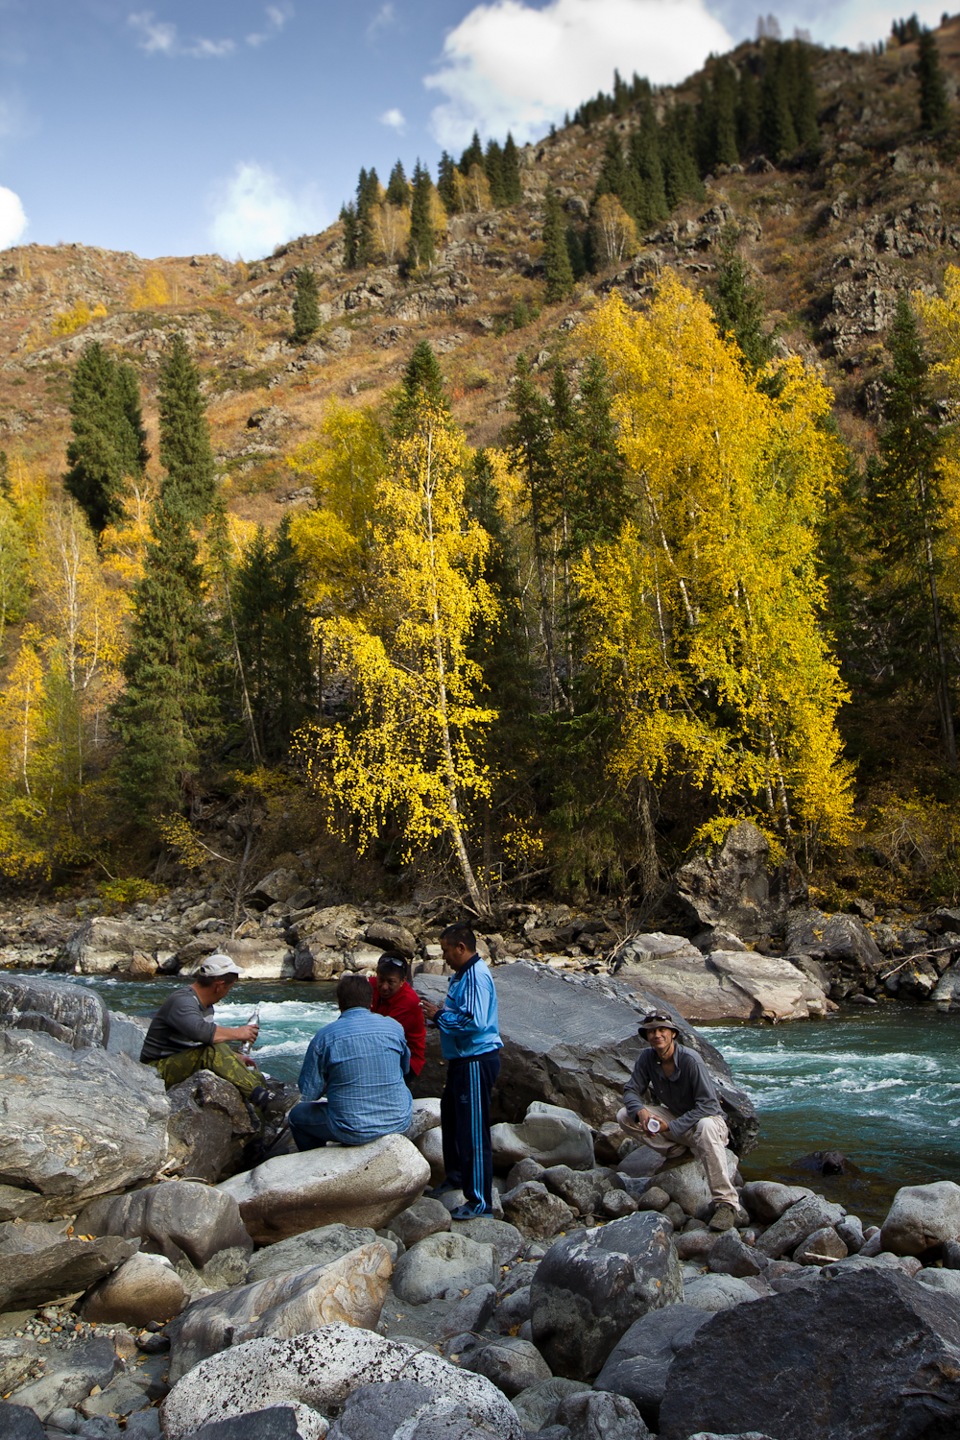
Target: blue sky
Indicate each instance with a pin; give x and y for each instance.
(173, 127)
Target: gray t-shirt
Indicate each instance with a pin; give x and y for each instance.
(181, 1023)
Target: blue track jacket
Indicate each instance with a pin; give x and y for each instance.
(468, 1022)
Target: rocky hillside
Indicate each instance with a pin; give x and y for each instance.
(830, 245)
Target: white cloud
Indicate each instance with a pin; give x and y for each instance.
(253, 211)
(394, 119)
(492, 86)
(13, 221)
(159, 37)
(277, 17)
(385, 19)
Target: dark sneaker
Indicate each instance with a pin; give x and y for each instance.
(724, 1217)
(469, 1212)
(260, 1096)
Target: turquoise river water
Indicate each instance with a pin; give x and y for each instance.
(880, 1085)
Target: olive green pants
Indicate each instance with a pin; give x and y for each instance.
(219, 1058)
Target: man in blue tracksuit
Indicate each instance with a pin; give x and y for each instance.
(471, 1045)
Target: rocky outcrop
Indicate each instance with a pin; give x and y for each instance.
(76, 1124)
(70, 1013)
(841, 946)
(735, 887)
(101, 945)
(722, 985)
(357, 1185)
(922, 1218)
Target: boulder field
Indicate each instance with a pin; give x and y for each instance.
(326, 1295)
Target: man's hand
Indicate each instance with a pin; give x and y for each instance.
(428, 1007)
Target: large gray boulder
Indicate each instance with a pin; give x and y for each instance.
(637, 1365)
(723, 985)
(549, 1134)
(176, 1218)
(869, 1354)
(313, 1247)
(321, 1370)
(41, 1262)
(209, 1127)
(797, 1223)
(72, 1368)
(593, 1284)
(735, 888)
(75, 1124)
(921, 1218)
(841, 944)
(572, 1041)
(348, 1184)
(350, 1291)
(103, 945)
(73, 1014)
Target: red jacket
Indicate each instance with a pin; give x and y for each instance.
(404, 1007)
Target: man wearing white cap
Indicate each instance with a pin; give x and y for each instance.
(184, 1036)
(683, 1114)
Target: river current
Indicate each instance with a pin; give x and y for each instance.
(880, 1085)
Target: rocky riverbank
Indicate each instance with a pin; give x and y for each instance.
(741, 940)
(154, 1283)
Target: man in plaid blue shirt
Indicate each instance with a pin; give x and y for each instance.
(351, 1081)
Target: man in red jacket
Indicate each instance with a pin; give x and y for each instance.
(393, 995)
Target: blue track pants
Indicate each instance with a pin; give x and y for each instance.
(465, 1125)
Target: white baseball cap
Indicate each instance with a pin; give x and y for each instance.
(216, 967)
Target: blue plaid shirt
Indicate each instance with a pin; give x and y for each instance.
(358, 1063)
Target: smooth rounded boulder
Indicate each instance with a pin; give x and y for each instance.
(443, 1264)
(348, 1185)
(549, 1134)
(350, 1290)
(144, 1289)
(592, 1285)
(176, 1218)
(922, 1217)
(322, 1370)
(73, 1014)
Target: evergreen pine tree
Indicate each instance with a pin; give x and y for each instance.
(906, 514)
(646, 161)
(493, 165)
(348, 219)
(597, 481)
(556, 257)
(681, 178)
(613, 170)
(934, 106)
(804, 97)
(422, 381)
(473, 155)
(748, 111)
(446, 181)
(738, 306)
(398, 188)
(578, 258)
(368, 196)
(108, 447)
(778, 134)
(273, 639)
(421, 248)
(306, 309)
(185, 451)
(166, 716)
(512, 185)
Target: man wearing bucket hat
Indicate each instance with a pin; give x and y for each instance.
(684, 1115)
(184, 1036)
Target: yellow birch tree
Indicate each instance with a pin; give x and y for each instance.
(704, 615)
(412, 753)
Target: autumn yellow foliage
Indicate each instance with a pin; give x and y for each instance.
(704, 616)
